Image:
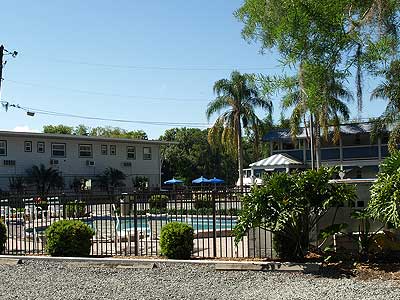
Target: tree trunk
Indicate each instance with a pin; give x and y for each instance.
(317, 144)
(240, 151)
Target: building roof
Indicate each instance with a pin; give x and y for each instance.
(276, 160)
(80, 138)
(353, 128)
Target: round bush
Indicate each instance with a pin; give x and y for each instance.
(158, 201)
(75, 209)
(69, 238)
(3, 236)
(176, 240)
(203, 201)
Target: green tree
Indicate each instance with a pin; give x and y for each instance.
(389, 90)
(107, 131)
(110, 180)
(117, 132)
(323, 38)
(349, 35)
(81, 130)
(240, 98)
(44, 180)
(318, 92)
(58, 129)
(192, 156)
(290, 205)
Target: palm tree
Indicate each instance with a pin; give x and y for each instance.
(390, 90)
(44, 180)
(240, 98)
(324, 101)
(111, 179)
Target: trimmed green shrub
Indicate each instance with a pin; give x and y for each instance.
(176, 240)
(202, 201)
(75, 209)
(3, 236)
(158, 201)
(69, 238)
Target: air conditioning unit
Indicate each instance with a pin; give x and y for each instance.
(127, 164)
(53, 162)
(9, 162)
(90, 163)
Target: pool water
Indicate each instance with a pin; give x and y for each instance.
(198, 223)
(41, 228)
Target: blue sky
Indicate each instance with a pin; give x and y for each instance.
(62, 46)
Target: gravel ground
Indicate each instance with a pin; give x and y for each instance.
(60, 280)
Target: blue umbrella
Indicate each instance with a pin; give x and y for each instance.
(200, 180)
(216, 180)
(173, 181)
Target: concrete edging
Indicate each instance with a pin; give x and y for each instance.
(220, 265)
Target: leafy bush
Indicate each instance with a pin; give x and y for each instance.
(69, 238)
(384, 205)
(176, 240)
(75, 209)
(290, 205)
(3, 236)
(158, 201)
(202, 201)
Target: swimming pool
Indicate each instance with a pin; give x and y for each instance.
(40, 227)
(197, 222)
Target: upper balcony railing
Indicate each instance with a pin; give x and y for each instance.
(356, 152)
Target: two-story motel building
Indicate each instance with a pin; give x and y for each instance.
(82, 157)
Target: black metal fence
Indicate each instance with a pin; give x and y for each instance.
(129, 224)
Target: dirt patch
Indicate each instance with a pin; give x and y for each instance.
(377, 271)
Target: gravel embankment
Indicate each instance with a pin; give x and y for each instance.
(59, 280)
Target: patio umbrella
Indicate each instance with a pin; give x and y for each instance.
(200, 180)
(216, 180)
(173, 181)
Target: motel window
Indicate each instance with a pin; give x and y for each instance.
(146, 153)
(40, 147)
(58, 150)
(103, 149)
(3, 148)
(28, 146)
(113, 150)
(131, 152)
(85, 150)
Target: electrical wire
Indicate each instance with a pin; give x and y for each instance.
(159, 68)
(89, 92)
(32, 111)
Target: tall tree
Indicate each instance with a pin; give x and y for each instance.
(341, 37)
(390, 90)
(350, 35)
(240, 98)
(325, 99)
(191, 156)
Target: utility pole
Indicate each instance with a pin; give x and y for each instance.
(1, 66)
(4, 52)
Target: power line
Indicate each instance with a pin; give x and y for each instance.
(89, 92)
(160, 68)
(32, 111)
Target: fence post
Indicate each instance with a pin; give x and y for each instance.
(214, 225)
(135, 224)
